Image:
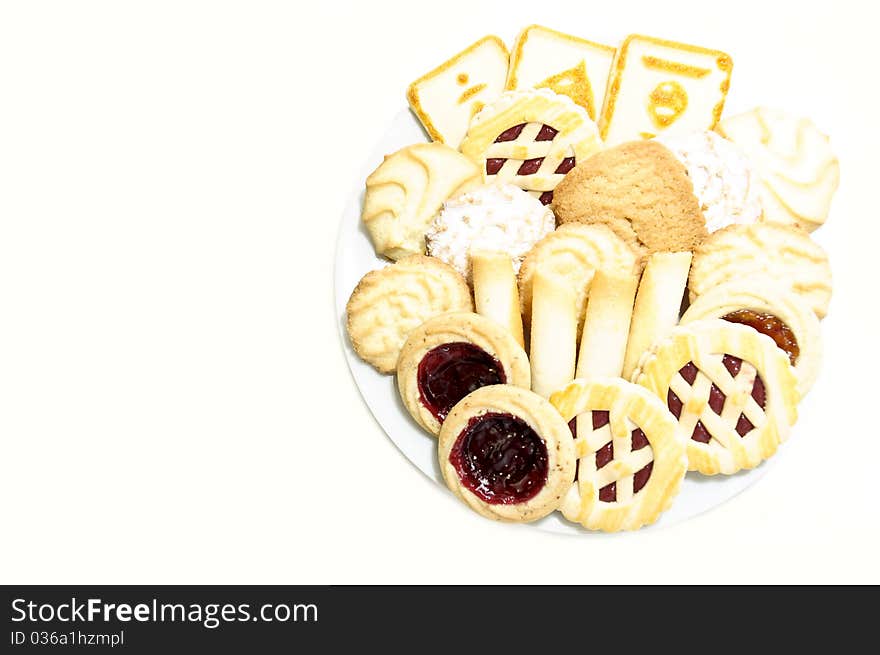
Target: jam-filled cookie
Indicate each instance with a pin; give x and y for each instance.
(783, 253)
(733, 392)
(391, 302)
(451, 355)
(531, 139)
(507, 453)
(772, 310)
(631, 457)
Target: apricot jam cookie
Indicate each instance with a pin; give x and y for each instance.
(405, 192)
(772, 310)
(507, 453)
(449, 356)
(575, 252)
(798, 170)
(391, 302)
(783, 253)
(631, 457)
(531, 139)
(641, 191)
(733, 392)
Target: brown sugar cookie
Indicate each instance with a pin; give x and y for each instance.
(641, 191)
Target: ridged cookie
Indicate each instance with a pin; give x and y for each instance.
(765, 250)
(575, 252)
(641, 191)
(391, 302)
(798, 170)
(407, 190)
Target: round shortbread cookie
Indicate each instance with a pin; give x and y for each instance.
(640, 190)
(575, 252)
(773, 310)
(783, 253)
(391, 302)
(798, 170)
(451, 355)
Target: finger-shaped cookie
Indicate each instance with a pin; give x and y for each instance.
(553, 333)
(606, 326)
(496, 294)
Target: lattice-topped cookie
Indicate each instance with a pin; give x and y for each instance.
(732, 390)
(531, 139)
(631, 457)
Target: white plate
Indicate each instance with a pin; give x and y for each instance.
(355, 256)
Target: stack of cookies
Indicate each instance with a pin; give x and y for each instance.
(599, 281)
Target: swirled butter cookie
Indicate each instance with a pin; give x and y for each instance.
(449, 356)
(531, 139)
(733, 392)
(391, 302)
(574, 253)
(783, 253)
(631, 457)
(770, 309)
(406, 191)
(798, 170)
(641, 191)
(507, 453)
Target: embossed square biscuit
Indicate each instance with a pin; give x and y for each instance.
(545, 58)
(446, 98)
(659, 86)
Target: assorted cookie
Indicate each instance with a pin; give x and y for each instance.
(782, 253)
(449, 356)
(641, 191)
(531, 139)
(669, 323)
(497, 217)
(389, 303)
(731, 389)
(446, 98)
(799, 173)
(405, 192)
(631, 456)
(507, 453)
(663, 87)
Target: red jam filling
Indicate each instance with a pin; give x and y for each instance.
(608, 493)
(529, 166)
(716, 398)
(500, 458)
(770, 325)
(451, 371)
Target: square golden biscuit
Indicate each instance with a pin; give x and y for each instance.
(659, 86)
(446, 98)
(568, 65)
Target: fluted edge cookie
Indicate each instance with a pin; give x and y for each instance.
(783, 253)
(631, 457)
(507, 454)
(451, 355)
(390, 302)
(733, 392)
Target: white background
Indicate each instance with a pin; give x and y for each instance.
(174, 402)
